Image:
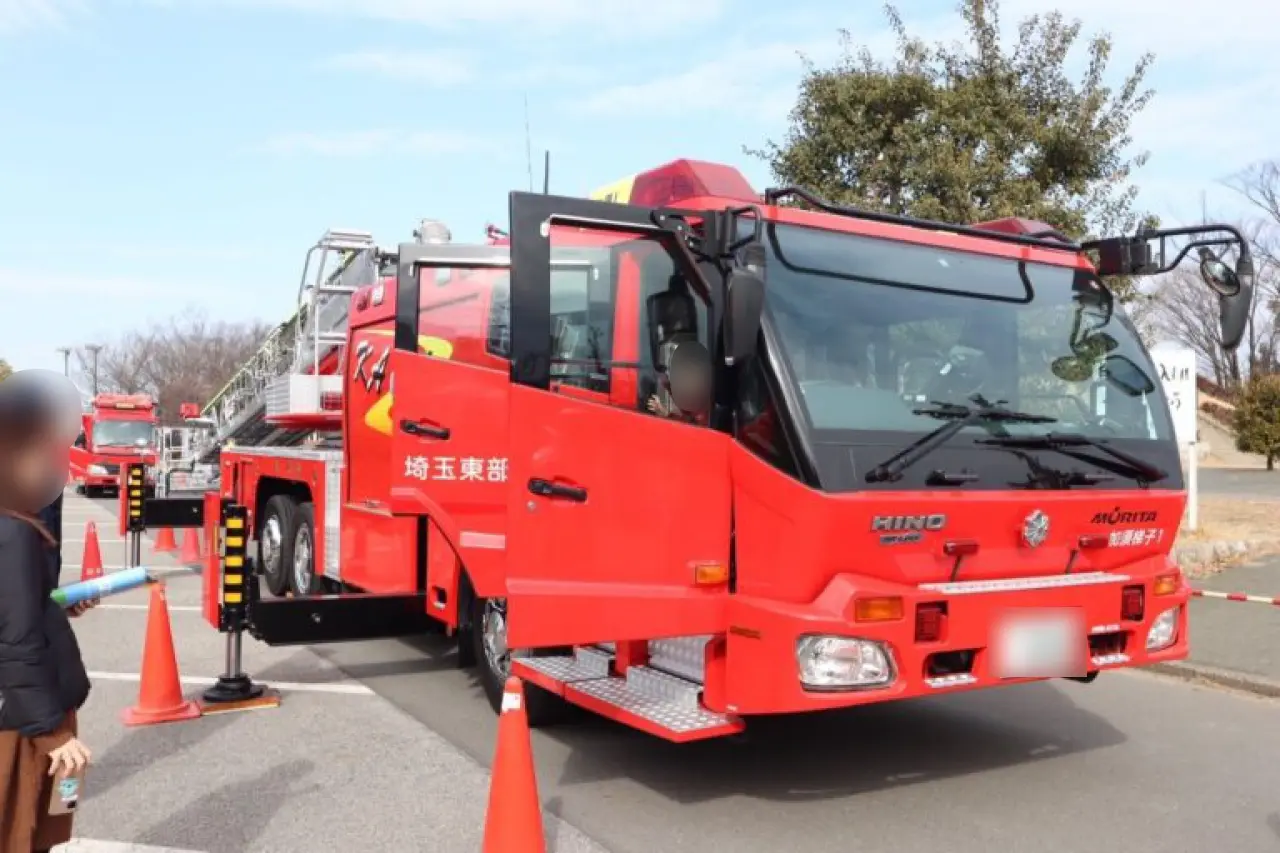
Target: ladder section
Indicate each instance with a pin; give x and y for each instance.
(282, 393)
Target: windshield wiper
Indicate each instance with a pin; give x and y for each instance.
(961, 417)
(1070, 442)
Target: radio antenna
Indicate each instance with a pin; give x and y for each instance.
(546, 172)
(528, 142)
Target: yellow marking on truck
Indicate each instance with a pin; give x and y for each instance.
(618, 191)
(378, 418)
(427, 344)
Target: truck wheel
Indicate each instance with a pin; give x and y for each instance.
(303, 578)
(275, 543)
(92, 492)
(488, 635)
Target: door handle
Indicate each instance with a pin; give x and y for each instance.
(548, 489)
(425, 430)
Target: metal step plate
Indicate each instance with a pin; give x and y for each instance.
(682, 656)
(585, 664)
(675, 718)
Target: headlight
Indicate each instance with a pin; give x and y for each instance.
(1164, 630)
(97, 471)
(834, 663)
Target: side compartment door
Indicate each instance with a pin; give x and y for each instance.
(620, 518)
(447, 418)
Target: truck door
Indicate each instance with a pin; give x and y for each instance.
(619, 519)
(447, 418)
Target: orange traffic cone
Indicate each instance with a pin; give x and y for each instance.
(160, 698)
(190, 547)
(91, 563)
(165, 543)
(513, 823)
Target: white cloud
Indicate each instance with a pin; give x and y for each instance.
(598, 17)
(752, 81)
(364, 143)
(45, 283)
(23, 15)
(440, 69)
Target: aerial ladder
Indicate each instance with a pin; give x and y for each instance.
(289, 392)
(289, 389)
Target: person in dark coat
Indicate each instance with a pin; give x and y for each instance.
(51, 518)
(43, 682)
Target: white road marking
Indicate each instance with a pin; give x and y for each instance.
(291, 686)
(89, 845)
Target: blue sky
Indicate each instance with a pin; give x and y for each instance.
(157, 155)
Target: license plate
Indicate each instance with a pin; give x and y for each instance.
(1039, 643)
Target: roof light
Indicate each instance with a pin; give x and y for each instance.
(432, 231)
(677, 181)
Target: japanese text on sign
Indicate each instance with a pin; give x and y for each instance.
(1135, 538)
(476, 469)
(1176, 367)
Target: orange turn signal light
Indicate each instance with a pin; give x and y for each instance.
(1166, 584)
(712, 574)
(885, 609)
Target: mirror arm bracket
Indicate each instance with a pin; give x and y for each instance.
(1133, 255)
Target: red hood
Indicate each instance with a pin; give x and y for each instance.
(792, 540)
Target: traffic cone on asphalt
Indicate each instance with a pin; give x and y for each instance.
(190, 547)
(165, 543)
(160, 698)
(91, 563)
(513, 823)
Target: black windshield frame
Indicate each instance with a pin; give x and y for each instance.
(840, 458)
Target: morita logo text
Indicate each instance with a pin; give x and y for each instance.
(1124, 516)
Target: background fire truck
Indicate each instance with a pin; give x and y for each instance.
(903, 485)
(116, 428)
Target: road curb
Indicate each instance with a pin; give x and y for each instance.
(1257, 684)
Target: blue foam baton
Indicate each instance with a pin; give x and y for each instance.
(112, 584)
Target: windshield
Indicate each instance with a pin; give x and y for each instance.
(123, 434)
(874, 329)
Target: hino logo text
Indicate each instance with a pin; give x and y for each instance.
(907, 523)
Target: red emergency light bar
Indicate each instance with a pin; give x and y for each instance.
(678, 181)
(123, 401)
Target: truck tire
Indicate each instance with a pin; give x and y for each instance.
(542, 707)
(303, 578)
(275, 543)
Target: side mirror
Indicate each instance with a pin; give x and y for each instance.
(1235, 293)
(1127, 376)
(1218, 275)
(744, 305)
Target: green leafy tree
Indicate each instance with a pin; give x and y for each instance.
(970, 132)
(1257, 418)
(5, 369)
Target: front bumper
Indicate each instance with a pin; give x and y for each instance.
(761, 674)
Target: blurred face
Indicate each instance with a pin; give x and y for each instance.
(37, 472)
(691, 388)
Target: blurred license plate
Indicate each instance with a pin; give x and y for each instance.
(1039, 643)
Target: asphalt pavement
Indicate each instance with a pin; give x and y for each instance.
(335, 767)
(1134, 761)
(1251, 483)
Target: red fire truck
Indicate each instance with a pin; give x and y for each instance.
(929, 457)
(116, 428)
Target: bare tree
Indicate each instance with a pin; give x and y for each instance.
(185, 359)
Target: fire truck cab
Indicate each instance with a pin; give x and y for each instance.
(116, 428)
(929, 458)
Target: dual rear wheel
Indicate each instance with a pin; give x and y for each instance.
(287, 547)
